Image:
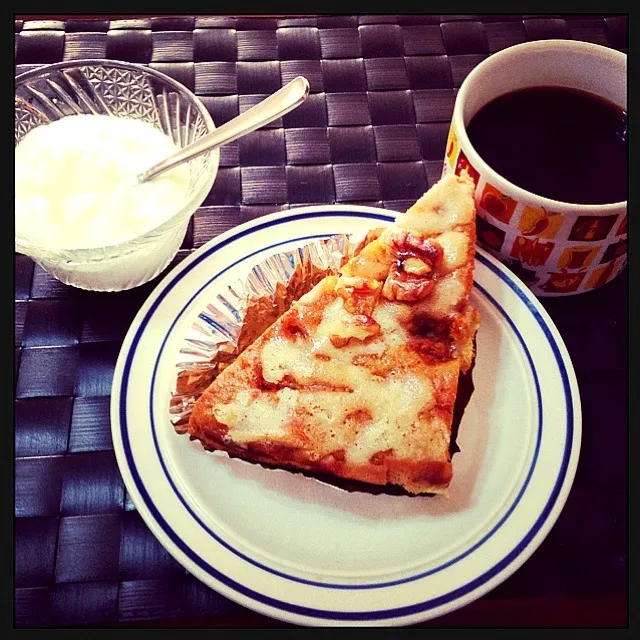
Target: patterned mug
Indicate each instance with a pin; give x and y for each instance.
(556, 248)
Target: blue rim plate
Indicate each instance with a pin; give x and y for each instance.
(296, 549)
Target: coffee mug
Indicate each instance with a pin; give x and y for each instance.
(556, 248)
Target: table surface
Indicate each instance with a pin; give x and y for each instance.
(373, 132)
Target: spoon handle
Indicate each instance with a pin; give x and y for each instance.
(276, 105)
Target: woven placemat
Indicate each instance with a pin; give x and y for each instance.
(372, 132)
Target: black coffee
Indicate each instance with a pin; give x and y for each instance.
(560, 143)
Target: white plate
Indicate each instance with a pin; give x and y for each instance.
(302, 551)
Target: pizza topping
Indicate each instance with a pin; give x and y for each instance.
(260, 417)
(338, 325)
(455, 247)
(372, 262)
(372, 234)
(445, 297)
(392, 319)
(293, 328)
(409, 245)
(405, 287)
(411, 277)
(360, 295)
(323, 287)
(359, 327)
(416, 267)
(393, 411)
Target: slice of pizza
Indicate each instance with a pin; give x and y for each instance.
(358, 379)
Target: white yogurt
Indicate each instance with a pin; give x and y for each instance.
(75, 182)
(76, 188)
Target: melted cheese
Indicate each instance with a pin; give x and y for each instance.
(337, 321)
(388, 316)
(282, 357)
(393, 403)
(394, 406)
(446, 295)
(373, 261)
(443, 207)
(259, 417)
(455, 247)
(346, 281)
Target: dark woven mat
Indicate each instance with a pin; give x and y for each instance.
(372, 132)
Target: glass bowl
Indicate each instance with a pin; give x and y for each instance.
(117, 89)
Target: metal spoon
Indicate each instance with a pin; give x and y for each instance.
(282, 101)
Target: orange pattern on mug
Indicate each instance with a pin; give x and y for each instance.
(563, 282)
(602, 275)
(496, 204)
(452, 148)
(592, 228)
(532, 252)
(488, 235)
(463, 163)
(577, 257)
(538, 222)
